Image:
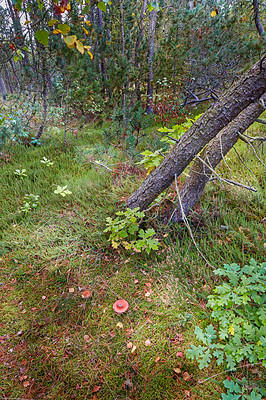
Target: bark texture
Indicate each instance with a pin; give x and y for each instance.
(152, 25)
(212, 155)
(248, 89)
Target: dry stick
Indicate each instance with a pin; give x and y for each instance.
(244, 139)
(228, 370)
(188, 226)
(224, 179)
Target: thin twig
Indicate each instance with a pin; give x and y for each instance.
(188, 226)
(226, 180)
(228, 370)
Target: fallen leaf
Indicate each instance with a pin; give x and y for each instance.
(186, 376)
(96, 389)
(26, 384)
(187, 393)
(147, 342)
(71, 290)
(86, 338)
(157, 359)
(129, 345)
(133, 349)
(180, 354)
(177, 370)
(136, 281)
(120, 325)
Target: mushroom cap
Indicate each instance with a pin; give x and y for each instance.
(120, 306)
(86, 294)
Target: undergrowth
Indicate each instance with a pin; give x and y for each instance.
(55, 344)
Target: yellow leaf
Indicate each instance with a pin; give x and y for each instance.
(114, 244)
(119, 325)
(88, 23)
(85, 30)
(126, 245)
(79, 46)
(56, 31)
(70, 40)
(213, 13)
(68, 7)
(177, 370)
(231, 329)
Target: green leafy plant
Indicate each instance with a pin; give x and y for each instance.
(20, 173)
(31, 201)
(238, 391)
(125, 230)
(62, 190)
(151, 159)
(239, 309)
(46, 161)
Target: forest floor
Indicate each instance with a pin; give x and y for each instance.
(55, 344)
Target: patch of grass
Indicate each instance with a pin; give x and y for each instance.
(58, 345)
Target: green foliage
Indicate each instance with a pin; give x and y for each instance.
(238, 390)
(31, 202)
(125, 230)
(12, 128)
(46, 161)
(42, 36)
(20, 173)
(151, 159)
(177, 130)
(239, 309)
(62, 190)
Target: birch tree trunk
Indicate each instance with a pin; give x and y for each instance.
(248, 89)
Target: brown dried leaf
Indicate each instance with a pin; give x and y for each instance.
(186, 376)
(96, 389)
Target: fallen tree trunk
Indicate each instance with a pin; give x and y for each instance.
(249, 88)
(212, 155)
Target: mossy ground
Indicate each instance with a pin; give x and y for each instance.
(56, 344)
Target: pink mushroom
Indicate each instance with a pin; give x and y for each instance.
(120, 306)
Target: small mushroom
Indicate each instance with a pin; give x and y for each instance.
(120, 306)
(86, 294)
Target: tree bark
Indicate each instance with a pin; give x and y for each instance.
(247, 90)
(258, 23)
(153, 16)
(212, 155)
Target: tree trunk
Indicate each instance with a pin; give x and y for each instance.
(153, 16)
(258, 23)
(247, 90)
(212, 155)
